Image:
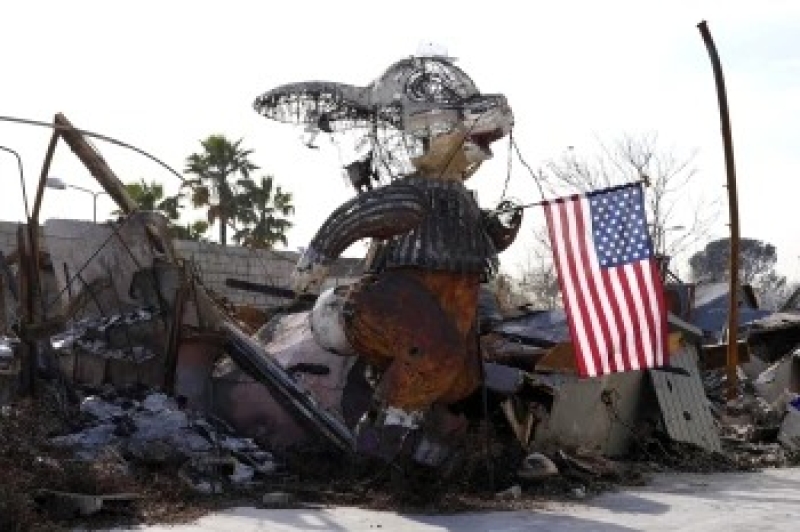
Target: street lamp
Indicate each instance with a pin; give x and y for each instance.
(660, 236)
(59, 184)
(660, 245)
(21, 177)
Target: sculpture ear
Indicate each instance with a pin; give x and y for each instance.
(326, 106)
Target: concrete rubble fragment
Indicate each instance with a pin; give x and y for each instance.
(67, 504)
(789, 434)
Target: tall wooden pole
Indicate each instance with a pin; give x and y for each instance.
(733, 208)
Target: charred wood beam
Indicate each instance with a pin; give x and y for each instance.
(28, 346)
(8, 275)
(95, 163)
(48, 158)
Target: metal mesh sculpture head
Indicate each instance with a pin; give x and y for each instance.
(416, 100)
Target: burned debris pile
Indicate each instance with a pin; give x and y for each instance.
(127, 388)
(157, 377)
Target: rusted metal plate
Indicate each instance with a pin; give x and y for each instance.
(683, 402)
(779, 378)
(419, 326)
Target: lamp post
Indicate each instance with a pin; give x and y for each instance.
(662, 236)
(659, 234)
(59, 184)
(21, 177)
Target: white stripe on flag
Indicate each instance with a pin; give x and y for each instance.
(568, 285)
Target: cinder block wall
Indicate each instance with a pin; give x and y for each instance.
(217, 263)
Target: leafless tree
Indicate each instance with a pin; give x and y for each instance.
(538, 279)
(679, 218)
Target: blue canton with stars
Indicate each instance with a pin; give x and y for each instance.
(619, 226)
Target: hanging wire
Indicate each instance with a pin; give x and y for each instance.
(508, 166)
(528, 167)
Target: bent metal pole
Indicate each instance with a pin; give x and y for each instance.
(733, 208)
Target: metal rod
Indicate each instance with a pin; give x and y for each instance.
(545, 202)
(48, 158)
(733, 207)
(57, 127)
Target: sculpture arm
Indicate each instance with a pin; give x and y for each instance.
(380, 213)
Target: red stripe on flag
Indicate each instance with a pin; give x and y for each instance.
(563, 282)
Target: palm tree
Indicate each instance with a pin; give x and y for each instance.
(264, 213)
(150, 197)
(190, 231)
(219, 161)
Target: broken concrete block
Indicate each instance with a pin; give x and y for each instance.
(778, 378)
(511, 494)
(789, 433)
(276, 499)
(579, 417)
(68, 504)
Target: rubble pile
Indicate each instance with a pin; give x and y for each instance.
(109, 337)
(140, 395)
(157, 431)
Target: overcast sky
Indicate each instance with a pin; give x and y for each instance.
(163, 74)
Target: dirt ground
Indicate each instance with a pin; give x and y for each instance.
(473, 482)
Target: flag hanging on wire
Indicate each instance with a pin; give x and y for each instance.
(610, 280)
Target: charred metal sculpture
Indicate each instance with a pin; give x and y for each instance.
(413, 315)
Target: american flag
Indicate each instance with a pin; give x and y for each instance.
(610, 281)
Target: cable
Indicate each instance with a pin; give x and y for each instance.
(508, 171)
(122, 144)
(92, 134)
(530, 170)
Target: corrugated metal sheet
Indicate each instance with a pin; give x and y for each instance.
(683, 402)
